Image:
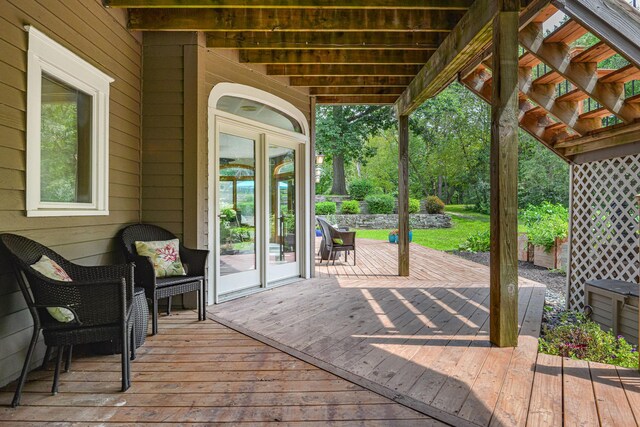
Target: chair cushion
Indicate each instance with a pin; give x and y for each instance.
(338, 241)
(49, 268)
(165, 256)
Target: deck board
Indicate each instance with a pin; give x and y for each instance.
(423, 340)
(202, 372)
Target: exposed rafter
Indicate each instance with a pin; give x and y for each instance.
(342, 70)
(355, 90)
(350, 81)
(357, 100)
(293, 19)
(335, 56)
(324, 40)
(299, 4)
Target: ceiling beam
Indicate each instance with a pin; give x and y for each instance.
(292, 20)
(298, 4)
(324, 40)
(355, 90)
(342, 70)
(335, 56)
(613, 137)
(467, 39)
(357, 100)
(349, 81)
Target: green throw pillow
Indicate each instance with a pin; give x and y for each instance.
(338, 241)
(165, 256)
(49, 268)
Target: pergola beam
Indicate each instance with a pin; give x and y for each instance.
(293, 20)
(468, 37)
(342, 70)
(325, 40)
(298, 4)
(319, 56)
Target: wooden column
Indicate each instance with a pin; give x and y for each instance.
(403, 195)
(504, 176)
(312, 187)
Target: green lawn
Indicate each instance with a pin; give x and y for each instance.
(463, 223)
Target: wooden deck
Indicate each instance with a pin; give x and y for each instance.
(423, 341)
(202, 373)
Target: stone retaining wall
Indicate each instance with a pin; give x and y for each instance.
(377, 222)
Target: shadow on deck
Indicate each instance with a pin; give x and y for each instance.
(423, 341)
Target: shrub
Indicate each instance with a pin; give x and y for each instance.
(414, 206)
(350, 207)
(434, 205)
(477, 242)
(545, 223)
(573, 335)
(380, 204)
(325, 208)
(361, 188)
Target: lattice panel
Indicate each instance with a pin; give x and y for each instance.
(604, 239)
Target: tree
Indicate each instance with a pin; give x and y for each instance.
(342, 132)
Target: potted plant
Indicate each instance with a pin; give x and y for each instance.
(393, 236)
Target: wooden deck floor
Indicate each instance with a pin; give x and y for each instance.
(203, 373)
(423, 341)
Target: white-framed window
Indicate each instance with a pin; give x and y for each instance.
(67, 132)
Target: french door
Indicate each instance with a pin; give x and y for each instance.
(257, 209)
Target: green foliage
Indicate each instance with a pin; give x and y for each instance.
(434, 205)
(414, 206)
(325, 208)
(380, 204)
(227, 214)
(573, 335)
(350, 207)
(545, 223)
(360, 188)
(477, 242)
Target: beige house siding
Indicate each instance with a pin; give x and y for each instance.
(100, 37)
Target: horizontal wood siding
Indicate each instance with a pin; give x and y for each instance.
(100, 37)
(163, 136)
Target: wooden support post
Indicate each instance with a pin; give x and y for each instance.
(403, 196)
(504, 177)
(312, 187)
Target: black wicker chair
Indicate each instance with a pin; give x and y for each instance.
(329, 234)
(99, 297)
(158, 288)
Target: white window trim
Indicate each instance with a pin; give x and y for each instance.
(45, 55)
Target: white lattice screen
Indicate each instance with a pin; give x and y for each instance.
(604, 239)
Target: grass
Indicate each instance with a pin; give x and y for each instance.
(463, 223)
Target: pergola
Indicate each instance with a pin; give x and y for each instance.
(403, 52)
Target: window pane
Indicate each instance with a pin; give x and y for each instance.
(259, 112)
(65, 138)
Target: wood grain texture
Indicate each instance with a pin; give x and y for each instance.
(355, 70)
(216, 381)
(297, 4)
(504, 179)
(403, 196)
(332, 56)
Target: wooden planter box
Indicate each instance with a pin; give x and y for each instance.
(614, 306)
(525, 249)
(556, 257)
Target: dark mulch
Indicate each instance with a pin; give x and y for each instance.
(556, 281)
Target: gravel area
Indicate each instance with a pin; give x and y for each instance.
(555, 281)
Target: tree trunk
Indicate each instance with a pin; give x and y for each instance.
(339, 185)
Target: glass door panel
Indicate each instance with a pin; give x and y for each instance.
(283, 217)
(238, 210)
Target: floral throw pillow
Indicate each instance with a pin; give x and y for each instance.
(49, 268)
(165, 256)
